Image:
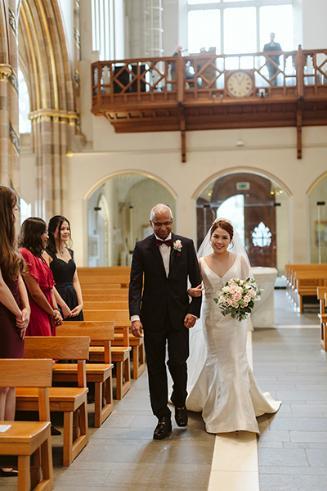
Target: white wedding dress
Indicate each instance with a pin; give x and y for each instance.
(224, 388)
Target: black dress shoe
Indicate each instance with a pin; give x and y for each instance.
(181, 416)
(163, 428)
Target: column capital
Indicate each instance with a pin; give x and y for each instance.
(5, 71)
(55, 114)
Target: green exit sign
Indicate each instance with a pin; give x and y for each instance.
(242, 186)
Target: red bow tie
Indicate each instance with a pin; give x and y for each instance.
(168, 242)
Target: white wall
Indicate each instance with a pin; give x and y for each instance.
(270, 152)
(314, 15)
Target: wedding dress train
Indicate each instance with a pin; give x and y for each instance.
(224, 389)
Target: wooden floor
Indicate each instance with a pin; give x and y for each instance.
(290, 455)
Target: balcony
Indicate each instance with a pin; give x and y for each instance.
(209, 91)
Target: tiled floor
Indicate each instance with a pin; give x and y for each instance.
(291, 450)
(286, 312)
(293, 444)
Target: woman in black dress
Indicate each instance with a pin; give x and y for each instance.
(62, 264)
(14, 305)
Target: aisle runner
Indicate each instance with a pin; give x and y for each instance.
(235, 458)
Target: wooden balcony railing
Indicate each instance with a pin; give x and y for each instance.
(167, 93)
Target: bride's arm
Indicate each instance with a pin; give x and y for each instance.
(245, 269)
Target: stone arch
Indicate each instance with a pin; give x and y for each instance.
(43, 57)
(130, 195)
(316, 182)
(150, 175)
(237, 170)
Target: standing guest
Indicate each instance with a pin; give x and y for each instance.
(45, 315)
(272, 52)
(163, 263)
(63, 267)
(14, 305)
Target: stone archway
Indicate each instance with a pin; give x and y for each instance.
(43, 57)
(9, 133)
(264, 209)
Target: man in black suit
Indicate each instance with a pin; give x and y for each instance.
(159, 305)
(272, 50)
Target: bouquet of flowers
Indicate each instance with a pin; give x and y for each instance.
(237, 298)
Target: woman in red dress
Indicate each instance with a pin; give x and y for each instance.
(38, 278)
(14, 306)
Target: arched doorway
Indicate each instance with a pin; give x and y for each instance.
(118, 216)
(318, 221)
(259, 209)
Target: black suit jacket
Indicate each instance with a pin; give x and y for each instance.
(152, 295)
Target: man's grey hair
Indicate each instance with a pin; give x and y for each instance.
(159, 208)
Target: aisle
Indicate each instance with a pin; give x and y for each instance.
(293, 445)
(121, 455)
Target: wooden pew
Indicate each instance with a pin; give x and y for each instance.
(105, 270)
(94, 279)
(324, 326)
(72, 401)
(98, 373)
(121, 318)
(322, 297)
(306, 284)
(89, 296)
(108, 305)
(25, 438)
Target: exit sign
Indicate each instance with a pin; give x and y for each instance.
(242, 186)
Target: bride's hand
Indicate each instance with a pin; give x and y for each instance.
(195, 292)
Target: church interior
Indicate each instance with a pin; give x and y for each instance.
(108, 107)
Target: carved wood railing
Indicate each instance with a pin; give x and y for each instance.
(182, 93)
(181, 79)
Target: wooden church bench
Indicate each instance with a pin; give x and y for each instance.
(322, 297)
(120, 352)
(71, 401)
(100, 374)
(106, 305)
(104, 270)
(307, 284)
(121, 317)
(30, 441)
(104, 297)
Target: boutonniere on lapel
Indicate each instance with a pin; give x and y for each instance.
(177, 245)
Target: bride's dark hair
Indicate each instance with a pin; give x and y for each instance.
(225, 225)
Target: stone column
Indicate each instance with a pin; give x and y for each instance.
(153, 28)
(9, 112)
(53, 133)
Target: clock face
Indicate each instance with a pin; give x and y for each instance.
(239, 84)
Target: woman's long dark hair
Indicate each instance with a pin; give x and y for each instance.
(54, 223)
(30, 235)
(11, 263)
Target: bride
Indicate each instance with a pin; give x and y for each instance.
(222, 384)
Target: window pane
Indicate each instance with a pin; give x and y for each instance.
(25, 125)
(277, 19)
(203, 30)
(194, 2)
(240, 30)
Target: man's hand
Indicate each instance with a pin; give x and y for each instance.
(189, 320)
(137, 329)
(196, 291)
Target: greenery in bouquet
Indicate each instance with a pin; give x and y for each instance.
(237, 298)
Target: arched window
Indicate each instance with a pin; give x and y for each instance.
(24, 105)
